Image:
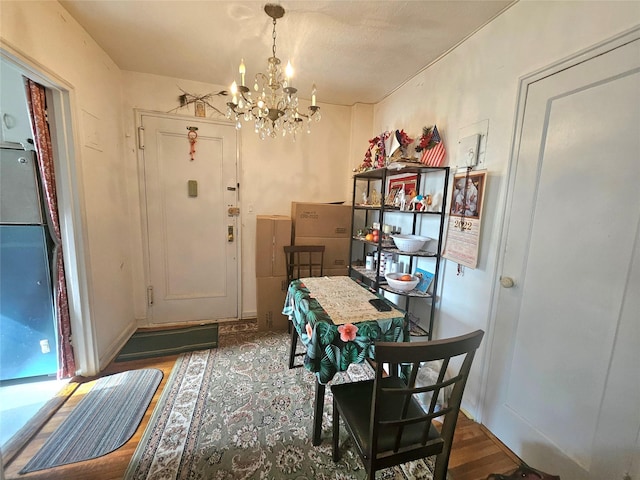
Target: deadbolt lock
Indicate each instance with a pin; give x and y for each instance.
(233, 211)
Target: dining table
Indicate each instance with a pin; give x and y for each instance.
(338, 325)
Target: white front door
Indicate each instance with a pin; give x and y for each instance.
(192, 237)
(563, 389)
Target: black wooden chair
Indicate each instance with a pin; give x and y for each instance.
(383, 416)
(302, 261)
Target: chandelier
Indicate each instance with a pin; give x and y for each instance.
(273, 105)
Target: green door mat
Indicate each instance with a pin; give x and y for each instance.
(157, 343)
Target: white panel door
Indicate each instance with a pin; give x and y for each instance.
(564, 373)
(192, 239)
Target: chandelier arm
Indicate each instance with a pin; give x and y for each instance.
(245, 98)
(255, 111)
(281, 104)
(261, 76)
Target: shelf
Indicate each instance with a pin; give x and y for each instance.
(371, 276)
(392, 209)
(366, 207)
(416, 330)
(420, 253)
(411, 293)
(388, 247)
(379, 173)
(412, 212)
(384, 245)
(363, 272)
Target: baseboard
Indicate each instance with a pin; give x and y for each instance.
(517, 460)
(466, 413)
(116, 346)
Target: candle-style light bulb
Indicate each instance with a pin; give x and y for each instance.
(234, 92)
(313, 95)
(242, 69)
(288, 71)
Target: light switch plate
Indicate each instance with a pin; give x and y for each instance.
(192, 188)
(480, 128)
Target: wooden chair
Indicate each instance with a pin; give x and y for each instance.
(388, 425)
(302, 261)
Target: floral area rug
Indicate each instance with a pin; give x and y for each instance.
(238, 412)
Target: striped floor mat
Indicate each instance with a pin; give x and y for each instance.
(102, 421)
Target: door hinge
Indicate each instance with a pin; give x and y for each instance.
(150, 295)
(141, 138)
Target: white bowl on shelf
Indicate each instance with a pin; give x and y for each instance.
(393, 280)
(409, 243)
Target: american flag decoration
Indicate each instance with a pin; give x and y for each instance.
(434, 152)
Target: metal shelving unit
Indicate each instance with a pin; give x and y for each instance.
(428, 223)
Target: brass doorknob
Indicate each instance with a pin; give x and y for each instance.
(507, 282)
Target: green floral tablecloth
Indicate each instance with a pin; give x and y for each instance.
(332, 348)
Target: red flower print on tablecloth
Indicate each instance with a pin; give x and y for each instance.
(348, 332)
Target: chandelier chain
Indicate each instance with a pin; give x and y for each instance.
(273, 35)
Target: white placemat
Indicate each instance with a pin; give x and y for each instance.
(345, 301)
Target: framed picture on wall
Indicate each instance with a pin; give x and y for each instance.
(467, 194)
(408, 181)
(200, 109)
(391, 194)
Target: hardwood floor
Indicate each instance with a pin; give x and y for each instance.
(475, 453)
(108, 467)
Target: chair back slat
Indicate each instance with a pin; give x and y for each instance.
(409, 425)
(304, 261)
(386, 418)
(301, 261)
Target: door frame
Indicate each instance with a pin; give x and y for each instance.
(584, 55)
(61, 98)
(142, 197)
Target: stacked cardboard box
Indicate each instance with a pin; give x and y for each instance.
(273, 232)
(324, 224)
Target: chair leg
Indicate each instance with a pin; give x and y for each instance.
(292, 349)
(441, 467)
(317, 414)
(335, 425)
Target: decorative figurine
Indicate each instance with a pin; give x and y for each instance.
(374, 197)
(401, 198)
(418, 203)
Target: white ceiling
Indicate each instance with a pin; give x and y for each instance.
(355, 51)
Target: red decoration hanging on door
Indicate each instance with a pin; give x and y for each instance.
(193, 138)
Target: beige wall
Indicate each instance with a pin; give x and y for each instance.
(478, 81)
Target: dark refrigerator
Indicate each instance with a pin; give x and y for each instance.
(27, 319)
